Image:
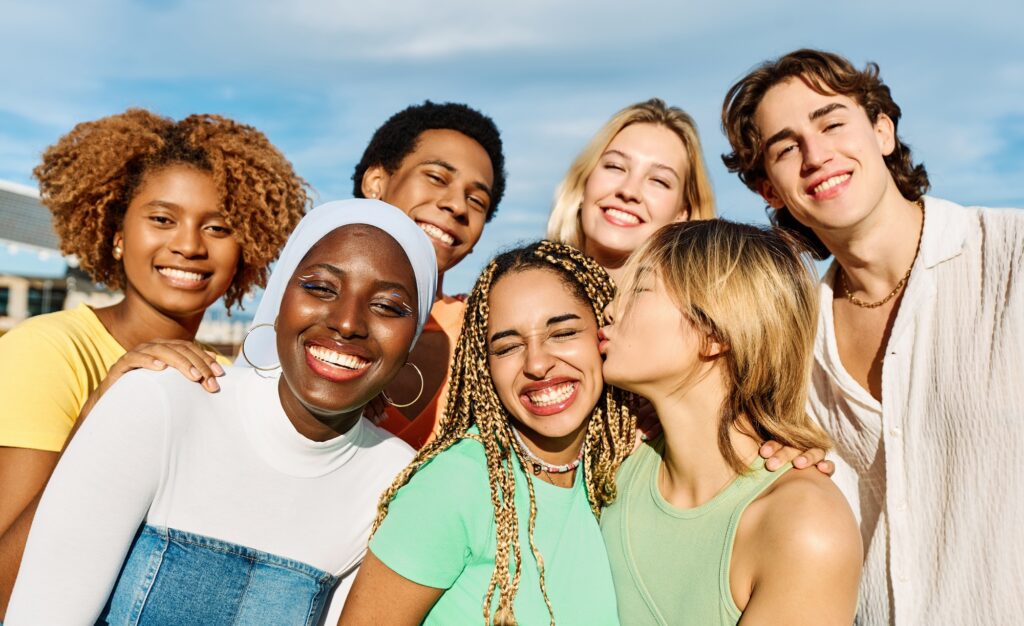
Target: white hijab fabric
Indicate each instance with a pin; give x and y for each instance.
(261, 344)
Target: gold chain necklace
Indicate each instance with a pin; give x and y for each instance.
(895, 290)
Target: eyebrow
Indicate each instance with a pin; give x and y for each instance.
(656, 164)
(787, 133)
(558, 319)
(454, 170)
(381, 284)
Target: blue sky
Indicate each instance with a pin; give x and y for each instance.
(319, 76)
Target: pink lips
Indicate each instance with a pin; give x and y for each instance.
(615, 221)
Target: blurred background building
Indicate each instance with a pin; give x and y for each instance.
(35, 278)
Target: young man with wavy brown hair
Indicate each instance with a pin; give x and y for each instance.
(918, 360)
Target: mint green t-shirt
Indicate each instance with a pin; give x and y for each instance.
(440, 532)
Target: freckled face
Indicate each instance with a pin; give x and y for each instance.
(347, 321)
(179, 254)
(636, 188)
(543, 356)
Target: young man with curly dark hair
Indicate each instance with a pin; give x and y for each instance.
(443, 165)
(176, 215)
(918, 365)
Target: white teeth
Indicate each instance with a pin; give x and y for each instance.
(623, 216)
(347, 361)
(170, 272)
(552, 395)
(832, 182)
(437, 233)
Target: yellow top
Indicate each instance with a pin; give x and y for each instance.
(49, 365)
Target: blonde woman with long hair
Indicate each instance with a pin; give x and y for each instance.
(495, 520)
(715, 326)
(642, 170)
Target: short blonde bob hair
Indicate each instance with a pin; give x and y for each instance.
(751, 289)
(698, 197)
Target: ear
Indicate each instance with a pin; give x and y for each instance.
(683, 215)
(119, 239)
(713, 347)
(885, 134)
(767, 191)
(375, 182)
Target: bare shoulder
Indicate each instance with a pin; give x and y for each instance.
(804, 517)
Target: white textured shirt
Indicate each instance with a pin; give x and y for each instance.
(159, 449)
(935, 471)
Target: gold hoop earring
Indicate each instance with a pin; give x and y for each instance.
(117, 253)
(244, 356)
(414, 400)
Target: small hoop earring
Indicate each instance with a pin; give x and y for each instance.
(247, 360)
(117, 253)
(414, 400)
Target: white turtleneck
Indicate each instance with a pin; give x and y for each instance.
(159, 449)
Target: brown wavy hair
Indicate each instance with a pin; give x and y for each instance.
(474, 401)
(828, 74)
(89, 177)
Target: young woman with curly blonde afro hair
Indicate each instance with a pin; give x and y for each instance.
(176, 215)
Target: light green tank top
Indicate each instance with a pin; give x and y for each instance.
(670, 565)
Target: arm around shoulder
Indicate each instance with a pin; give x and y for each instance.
(808, 555)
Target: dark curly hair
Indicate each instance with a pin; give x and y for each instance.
(89, 177)
(828, 74)
(397, 137)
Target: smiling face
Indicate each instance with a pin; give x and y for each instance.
(346, 323)
(543, 356)
(635, 189)
(179, 254)
(444, 185)
(823, 157)
(652, 347)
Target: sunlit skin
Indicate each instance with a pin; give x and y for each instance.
(544, 361)
(444, 185)
(824, 160)
(347, 320)
(179, 257)
(635, 189)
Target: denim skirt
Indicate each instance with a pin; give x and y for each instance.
(175, 577)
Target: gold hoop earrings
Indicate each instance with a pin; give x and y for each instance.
(244, 356)
(384, 394)
(117, 253)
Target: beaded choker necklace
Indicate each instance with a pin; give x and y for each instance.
(538, 464)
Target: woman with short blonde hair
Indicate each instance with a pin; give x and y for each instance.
(715, 326)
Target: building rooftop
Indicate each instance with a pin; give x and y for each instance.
(23, 219)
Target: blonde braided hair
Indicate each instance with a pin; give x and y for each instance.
(473, 400)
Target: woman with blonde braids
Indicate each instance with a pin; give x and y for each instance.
(495, 521)
(175, 214)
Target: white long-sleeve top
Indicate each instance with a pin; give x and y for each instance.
(159, 449)
(935, 471)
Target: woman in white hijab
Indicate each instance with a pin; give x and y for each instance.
(175, 505)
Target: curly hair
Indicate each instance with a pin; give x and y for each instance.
(827, 74)
(398, 136)
(89, 177)
(474, 401)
